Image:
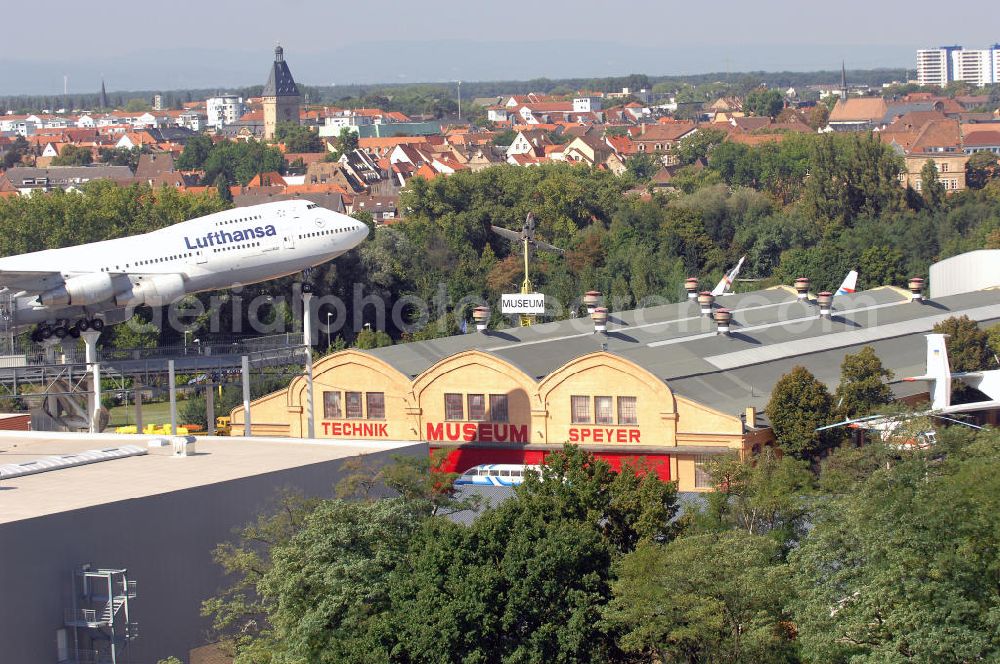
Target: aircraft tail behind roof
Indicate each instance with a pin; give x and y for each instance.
(726, 284)
(849, 285)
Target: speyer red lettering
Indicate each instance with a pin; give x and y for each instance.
(594, 435)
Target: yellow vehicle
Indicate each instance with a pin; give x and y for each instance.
(222, 426)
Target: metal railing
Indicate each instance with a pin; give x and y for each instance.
(81, 617)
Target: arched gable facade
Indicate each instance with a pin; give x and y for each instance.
(475, 396)
(602, 398)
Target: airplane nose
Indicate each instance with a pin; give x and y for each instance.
(362, 231)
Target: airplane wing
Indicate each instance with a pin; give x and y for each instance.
(969, 407)
(506, 233)
(727, 281)
(548, 247)
(30, 281)
(987, 382)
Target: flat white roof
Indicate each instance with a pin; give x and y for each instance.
(217, 459)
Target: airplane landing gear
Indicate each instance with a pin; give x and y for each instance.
(307, 274)
(61, 330)
(85, 324)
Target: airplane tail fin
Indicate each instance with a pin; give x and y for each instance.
(726, 284)
(938, 371)
(850, 283)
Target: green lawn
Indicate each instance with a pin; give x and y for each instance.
(153, 412)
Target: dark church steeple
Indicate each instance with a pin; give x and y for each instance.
(843, 80)
(103, 101)
(279, 81)
(281, 95)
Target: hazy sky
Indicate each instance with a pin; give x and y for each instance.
(229, 42)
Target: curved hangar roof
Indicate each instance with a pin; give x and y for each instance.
(772, 331)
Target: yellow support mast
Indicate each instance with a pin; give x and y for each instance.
(526, 285)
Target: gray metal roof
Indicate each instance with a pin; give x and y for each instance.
(772, 332)
(279, 80)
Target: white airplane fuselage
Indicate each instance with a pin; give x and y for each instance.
(235, 247)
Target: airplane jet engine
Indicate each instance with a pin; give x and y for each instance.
(156, 291)
(81, 290)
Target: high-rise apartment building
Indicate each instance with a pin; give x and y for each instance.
(941, 66)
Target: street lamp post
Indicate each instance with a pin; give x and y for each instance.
(329, 344)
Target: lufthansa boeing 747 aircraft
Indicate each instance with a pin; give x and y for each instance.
(67, 291)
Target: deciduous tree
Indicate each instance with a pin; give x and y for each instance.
(799, 405)
(863, 388)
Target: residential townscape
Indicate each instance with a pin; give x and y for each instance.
(644, 368)
(597, 129)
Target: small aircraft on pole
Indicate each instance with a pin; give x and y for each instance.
(526, 238)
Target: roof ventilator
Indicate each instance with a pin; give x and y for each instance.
(916, 286)
(591, 299)
(691, 286)
(705, 300)
(481, 315)
(825, 302)
(600, 317)
(802, 288)
(723, 318)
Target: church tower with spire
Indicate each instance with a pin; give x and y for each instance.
(103, 101)
(843, 79)
(281, 95)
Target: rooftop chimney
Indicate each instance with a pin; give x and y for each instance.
(705, 300)
(591, 298)
(691, 286)
(802, 287)
(481, 315)
(916, 286)
(600, 316)
(825, 301)
(723, 317)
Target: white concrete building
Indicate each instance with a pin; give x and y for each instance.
(940, 66)
(973, 66)
(224, 110)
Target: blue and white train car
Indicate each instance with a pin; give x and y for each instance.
(496, 474)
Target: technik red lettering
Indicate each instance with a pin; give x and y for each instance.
(602, 435)
(470, 432)
(356, 429)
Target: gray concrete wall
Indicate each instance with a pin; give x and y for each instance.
(165, 541)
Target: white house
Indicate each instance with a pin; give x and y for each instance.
(85, 121)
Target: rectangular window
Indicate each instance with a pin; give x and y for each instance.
(477, 407)
(331, 405)
(626, 411)
(702, 480)
(453, 407)
(354, 405)
(944, 167)
(498, 408)
(603, 410)
(579, 409)
(376, 405)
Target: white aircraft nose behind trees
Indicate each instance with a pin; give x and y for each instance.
(70, 290)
